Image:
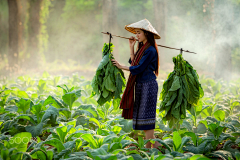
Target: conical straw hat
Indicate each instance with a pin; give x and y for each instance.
(143, 24)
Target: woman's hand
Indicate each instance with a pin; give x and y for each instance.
(116, 63)
(132, 41)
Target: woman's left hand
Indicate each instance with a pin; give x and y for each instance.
(116, 63)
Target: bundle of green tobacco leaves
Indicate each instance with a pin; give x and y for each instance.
(180, 91)
(108, 81)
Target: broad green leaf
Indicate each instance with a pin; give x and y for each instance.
(199, 157)
(219, 115)
(220, 154)
(70, 97)
(45, 74)
(88, 110)
(35, 130)
(62, 132)
(36, 110)
(20, 141)
(89, 138)
(114, 146)
(193, 136)
(119, 85)
(109, 84)
(184, 141)
(95, 121)
(50, 154)
(176, 84)
(116, 129)
(177, 140)
(201, 128)
(54, 102)
(65, 112)
(237, 155)
(24, 105)
(55, 143)
(42, 85)
(22, 94)
(51, 113)
(27, 117)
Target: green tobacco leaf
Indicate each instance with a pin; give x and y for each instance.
(109, 84)
(55, 143)
(64, 88)
(42, 85)
(49, 154)
(193, 136)
(108, 81)
(65, 112)
(114, 146)
(45, 74)
(175, 84)
(199, 157)
(201, 128)
(24, 105)
(51, 113)
(89, 138)
(103, 62)
(70, 97)
(197, 149)
(22, 94)
(35, 130)
(36, 110)
(54, 102)
(140, 142)
(119, 84)
(56, 80)
(225, 155)
(27, 117)
(237, 155)
(20, 141)
(215, 129)
(95, 121)
(62, 133)
(219, 115)
(88, 110)
(116, 103)
(177, 140)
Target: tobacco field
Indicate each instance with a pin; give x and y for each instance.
(55, 117)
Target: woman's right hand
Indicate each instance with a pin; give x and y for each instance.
(132, 41)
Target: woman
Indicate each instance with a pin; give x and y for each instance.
(143, 71)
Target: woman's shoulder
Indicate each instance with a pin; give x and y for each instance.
(150, 49)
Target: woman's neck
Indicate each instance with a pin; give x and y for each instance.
(144, 41)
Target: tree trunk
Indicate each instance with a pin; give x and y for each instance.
(34, 31)
(109, 24)
(13, 35)
(160, 21)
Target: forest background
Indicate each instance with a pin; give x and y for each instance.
(64, 36)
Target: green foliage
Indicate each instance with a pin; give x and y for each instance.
(180, 92)
(109, 80)
(91, 131)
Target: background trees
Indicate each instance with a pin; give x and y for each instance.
(49, 35)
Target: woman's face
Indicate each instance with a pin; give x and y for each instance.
(140, 35)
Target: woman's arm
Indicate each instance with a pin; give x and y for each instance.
(132, 42)
(117, 64)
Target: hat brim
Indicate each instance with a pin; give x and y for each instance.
(132, 30)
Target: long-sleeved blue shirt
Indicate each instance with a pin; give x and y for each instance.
(146, 67)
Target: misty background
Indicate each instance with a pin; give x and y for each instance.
(64, 36)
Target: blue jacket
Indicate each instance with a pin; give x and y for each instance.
(146, 67)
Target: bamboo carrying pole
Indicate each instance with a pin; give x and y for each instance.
(158, 44)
